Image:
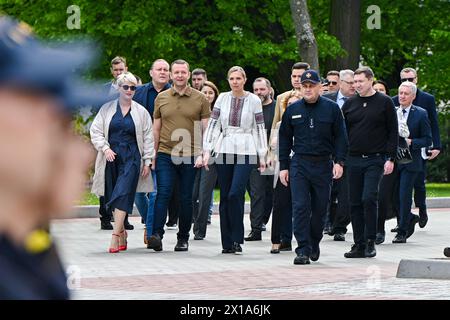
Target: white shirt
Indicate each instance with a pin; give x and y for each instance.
(341, 99)
(236, 129)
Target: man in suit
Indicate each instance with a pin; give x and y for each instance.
(146, 95)
(333, 78)
(339, 212)
(419, 137)
(427, 102)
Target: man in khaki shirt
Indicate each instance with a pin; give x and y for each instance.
(180, 117)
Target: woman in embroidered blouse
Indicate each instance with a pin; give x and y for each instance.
(237, 135)
(122, 134)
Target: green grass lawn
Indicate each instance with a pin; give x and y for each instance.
(433, 190)
(438, 190)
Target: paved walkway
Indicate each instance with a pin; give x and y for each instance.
(204, 273)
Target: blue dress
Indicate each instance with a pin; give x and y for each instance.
(122, 175)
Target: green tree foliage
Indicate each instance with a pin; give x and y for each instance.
(258, 35)
(212, 34)
(414, 33)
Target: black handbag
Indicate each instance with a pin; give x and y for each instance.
(403, 155)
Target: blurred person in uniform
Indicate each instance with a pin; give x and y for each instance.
(44, 165)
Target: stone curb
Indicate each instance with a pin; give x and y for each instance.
(424, 269)
(92, 211)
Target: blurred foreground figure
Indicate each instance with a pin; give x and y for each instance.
(43, 164)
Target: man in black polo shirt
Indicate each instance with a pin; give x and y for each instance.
(371, 123)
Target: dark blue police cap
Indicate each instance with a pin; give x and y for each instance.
(310, 76)
(28, 64)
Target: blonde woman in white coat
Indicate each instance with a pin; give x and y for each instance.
(122, 134)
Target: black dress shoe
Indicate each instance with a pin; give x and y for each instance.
(237, 248)
(395, 229)
(154, 243)
(196, 237)
(285, 246)
(275, 250)
(447, 252)
(227, 251)
(128, 226)
(315, 253)
(182, 245)
(339, 237)
(253, 236)
(301, 259)
(327, 229)
(106, 225)
(370, 249)
(423, 219)
(412, 225)
(380, 237)
(357, 251)
(399, 238)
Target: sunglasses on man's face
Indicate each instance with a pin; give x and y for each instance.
(408, 79)
(126, 87)
(333, 83)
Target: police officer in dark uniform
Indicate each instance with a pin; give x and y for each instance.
(313, 128)
(42, 163)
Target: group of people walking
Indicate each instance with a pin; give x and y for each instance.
(319, 153)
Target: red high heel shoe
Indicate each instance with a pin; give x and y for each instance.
(114, 250)
(123, 238)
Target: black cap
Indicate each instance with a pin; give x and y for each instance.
(29, 64)
(310, 76)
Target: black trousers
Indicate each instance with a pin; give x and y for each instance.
(364, 176)
(204, 184)
(281, 230)
(261, 198)
(388, 199)
(340, 210)
(420, 191)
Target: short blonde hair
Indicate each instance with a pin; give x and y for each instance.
(236, 69)
(126, 77)
(284, 102)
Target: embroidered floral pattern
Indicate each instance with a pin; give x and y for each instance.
(236, 112)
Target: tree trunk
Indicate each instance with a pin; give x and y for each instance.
(307, 44)
(345, 25)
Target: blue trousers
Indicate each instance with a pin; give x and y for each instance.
(310, 190)
(406, 181)
(420, 191)
(233, 177)
(166, 173)
(145, 204)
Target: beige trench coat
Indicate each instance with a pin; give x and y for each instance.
(99, 138)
